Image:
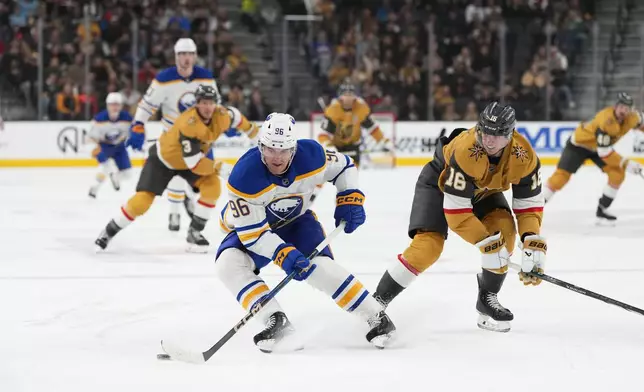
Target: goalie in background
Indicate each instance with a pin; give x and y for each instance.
(594, 140)
(344, 120)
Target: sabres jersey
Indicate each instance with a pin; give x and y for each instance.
(186, 144)
(468, 175)
(604, 130)
(261, 202)
(343, 127)
(173, 94)
(105, 130)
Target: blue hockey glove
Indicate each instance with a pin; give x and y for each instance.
(288, 258)
(232, 132)
(349, 208)
(137, 136)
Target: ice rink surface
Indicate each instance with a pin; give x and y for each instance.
(72, 320)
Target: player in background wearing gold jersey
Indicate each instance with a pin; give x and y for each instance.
(595, 140)
(461, 189)
(344, 120)
(181, 151)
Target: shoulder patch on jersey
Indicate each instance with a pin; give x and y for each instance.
(168, 75)
(309, 159)
(468, 155)
(522, 152)
(519, 152)
(249, 178)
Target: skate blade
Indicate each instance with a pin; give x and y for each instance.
(288, 343)
(193, 248)
(382, 341)
(603, 222)
(488, 323)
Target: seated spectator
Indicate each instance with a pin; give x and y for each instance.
(258, 109)
(411, 111)
(471, 112)
(67, 104)
(131, 97)
(338, 72)
(449, 114)
(534, 78)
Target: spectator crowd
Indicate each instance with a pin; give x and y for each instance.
(391, 49)
(383, 46)
(71, 86)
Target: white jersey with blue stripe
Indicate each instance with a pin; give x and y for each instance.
(261, 202)
(173, 94)
(105, 130)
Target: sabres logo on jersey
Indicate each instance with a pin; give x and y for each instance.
(284, 208)
(186, 101)
(112, 135)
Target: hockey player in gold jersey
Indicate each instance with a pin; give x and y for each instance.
(181, 151)
(344, 120)
(594, 140)
(461, 189)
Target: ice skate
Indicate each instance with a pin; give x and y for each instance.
(106, 235)
(382, 330)
(174, 222)
(604, 218)
(277, 328)
(197, 243)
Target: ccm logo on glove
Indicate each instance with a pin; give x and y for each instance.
(281, 255)
(355, 198)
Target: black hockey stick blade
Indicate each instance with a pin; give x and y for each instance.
(587, 293)
(177, 353)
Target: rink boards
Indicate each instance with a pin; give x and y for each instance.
(66, 144)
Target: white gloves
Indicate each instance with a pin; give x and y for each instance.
(533, 258)
(494, 254)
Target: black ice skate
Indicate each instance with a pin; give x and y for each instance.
(604, 218)
(492, 315)
(277, 328)
(106, 235)
(197, 243)
(382, 329)
(174, 222)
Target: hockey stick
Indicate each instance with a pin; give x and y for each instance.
(180, 354)
(580, 290)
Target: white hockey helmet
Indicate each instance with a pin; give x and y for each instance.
(116, 98)
(185, 45)
(278, 132)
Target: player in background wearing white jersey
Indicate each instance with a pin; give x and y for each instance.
(109, 130)
(268, 220)
(172, 91)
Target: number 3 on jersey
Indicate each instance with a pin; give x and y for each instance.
(187, 148)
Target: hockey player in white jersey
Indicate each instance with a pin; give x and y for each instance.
(172, 91)
(268, 220)
(109, 130)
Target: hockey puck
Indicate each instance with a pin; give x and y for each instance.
(163, 357)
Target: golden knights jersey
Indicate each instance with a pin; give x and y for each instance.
(603, 131)
(186, 144)
(343, 127)
(173, 94)
(470, 175)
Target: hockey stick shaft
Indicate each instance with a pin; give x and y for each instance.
(581, 290)
(206, 355)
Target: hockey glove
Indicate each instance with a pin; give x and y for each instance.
(137, 136)
(232, 132)
(533, 258)
(288, 258)
(494, 254)
(349, 208)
